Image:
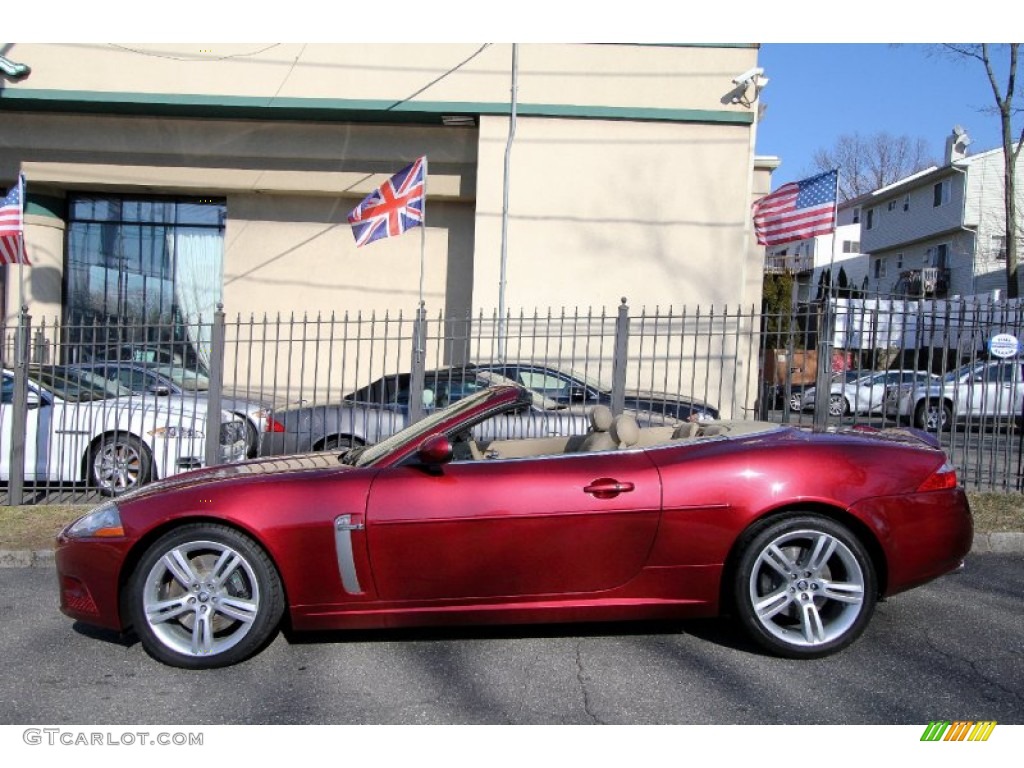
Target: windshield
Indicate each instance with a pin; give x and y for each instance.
(958, 373)
(78, 386)
(422, 428)
(186, 378)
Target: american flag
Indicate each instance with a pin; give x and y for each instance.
(397, 205)
(12, 226)
(797, 210)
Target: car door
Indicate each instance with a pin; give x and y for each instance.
(581, 523)
(37, 436)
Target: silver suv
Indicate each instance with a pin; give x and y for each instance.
(992, 390)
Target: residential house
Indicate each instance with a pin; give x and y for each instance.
(812, 260)
(940, 232)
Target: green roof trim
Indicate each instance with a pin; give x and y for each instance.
(45, 205)
(347, 110)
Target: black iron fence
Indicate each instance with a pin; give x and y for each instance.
(99, 407)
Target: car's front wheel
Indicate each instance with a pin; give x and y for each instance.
(804, 586)
(837, 405)
(203, 596)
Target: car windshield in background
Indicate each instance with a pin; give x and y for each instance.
(421, 428)
(77, 386)
(186, 378)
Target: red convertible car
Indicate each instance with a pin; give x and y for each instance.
(794, 533)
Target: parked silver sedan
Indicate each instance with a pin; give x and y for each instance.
(358, 422)
(864, 391)
(991, 391)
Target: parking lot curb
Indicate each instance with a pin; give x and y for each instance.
(26, 558)
(1003, 542)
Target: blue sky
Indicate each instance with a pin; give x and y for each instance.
(817, 92)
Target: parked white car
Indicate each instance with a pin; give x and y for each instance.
(864, 392)
(186, 385)
(81, 427)
(990, 389)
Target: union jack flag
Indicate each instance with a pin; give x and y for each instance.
(12, 226)
(397, 205)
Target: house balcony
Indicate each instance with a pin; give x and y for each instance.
(930, 282)
(791, 264)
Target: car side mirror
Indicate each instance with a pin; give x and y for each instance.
(578, 395)
(160, 390)
(32, 399)
(435, 451)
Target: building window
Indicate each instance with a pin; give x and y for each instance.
(856, 215)
(998, 247)
(870, 223)
(891, 205)
(851, 246)
(940, 193)
(879, 270)
(899, 260)
(143, 261)
(906, 203)
(937, 256)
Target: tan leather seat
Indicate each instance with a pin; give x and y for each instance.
(624, 431)
(598, 439)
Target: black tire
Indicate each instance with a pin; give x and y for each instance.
(933, 416)
(252, 437)
(794, 602)
(341, 442)
(203, 577)
(119, 463)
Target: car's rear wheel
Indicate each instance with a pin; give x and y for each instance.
(203, 596)
(796, 402)
(804, 586)
(933, 416)
(119, 463)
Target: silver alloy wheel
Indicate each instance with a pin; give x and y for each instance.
(933, 416)
(201, 598)
(119, 464)
(837, 405)
(796, 401)
(807, 588)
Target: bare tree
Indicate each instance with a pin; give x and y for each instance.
(986, 55)
(867, 163)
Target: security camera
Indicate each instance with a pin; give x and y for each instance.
(14, 69)
(749, 76)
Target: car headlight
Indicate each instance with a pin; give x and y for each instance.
(102, 522)
(173, 433)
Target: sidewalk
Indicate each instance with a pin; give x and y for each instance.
(1005, 542)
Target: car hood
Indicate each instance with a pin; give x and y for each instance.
(278, 466)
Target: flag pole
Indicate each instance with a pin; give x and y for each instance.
(504, 207)
(22, 307)
(423, 230)
(826, 330)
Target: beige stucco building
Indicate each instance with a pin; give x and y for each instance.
(630, 173)
(165, 179)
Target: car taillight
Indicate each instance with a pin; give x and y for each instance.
(941, 479)
(274, 426)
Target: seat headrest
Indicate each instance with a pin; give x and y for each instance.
(625, 431)
(600, 418)
(687, 429)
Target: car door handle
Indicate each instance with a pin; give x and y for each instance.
(606, 488)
